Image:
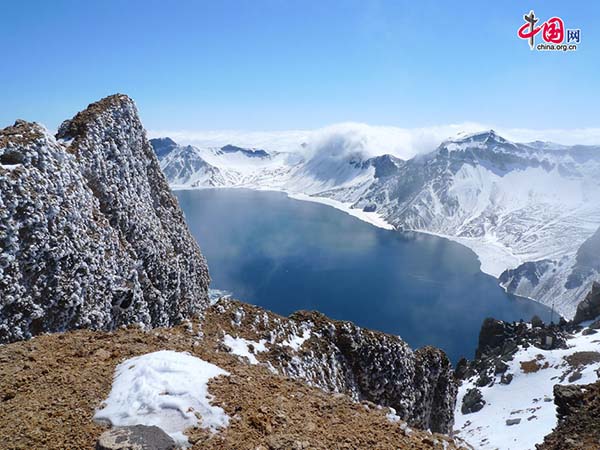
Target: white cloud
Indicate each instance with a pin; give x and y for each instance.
(583, 136)
(268, 140)
(369, 139)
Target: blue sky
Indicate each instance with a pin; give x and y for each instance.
(276, 65)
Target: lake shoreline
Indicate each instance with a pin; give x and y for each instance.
(493, 257)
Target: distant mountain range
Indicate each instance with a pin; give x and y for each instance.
(531, 212)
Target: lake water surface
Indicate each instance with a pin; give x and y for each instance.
(286, 255)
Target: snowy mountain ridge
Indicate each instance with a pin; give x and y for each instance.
(519, 207)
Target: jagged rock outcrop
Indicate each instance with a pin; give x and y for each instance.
(499, 341)
(90, 235)
(341, 357)
(589, 307)
(578, 409)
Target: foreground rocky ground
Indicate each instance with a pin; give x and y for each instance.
(579, 416)
(50, 387)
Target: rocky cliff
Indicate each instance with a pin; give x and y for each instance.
(578, 409)
(90, 235)
(343, 358)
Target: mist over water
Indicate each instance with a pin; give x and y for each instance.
(286, 255)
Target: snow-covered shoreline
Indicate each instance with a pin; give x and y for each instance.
(493, 257)
(372, 218)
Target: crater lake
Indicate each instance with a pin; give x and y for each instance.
(286, 255)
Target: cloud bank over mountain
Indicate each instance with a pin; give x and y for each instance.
(371, 140)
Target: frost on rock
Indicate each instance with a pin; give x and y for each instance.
(167, 389)
(295, 341)
(340, 357)
(90, 234)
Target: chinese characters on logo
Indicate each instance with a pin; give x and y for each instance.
(552, 31)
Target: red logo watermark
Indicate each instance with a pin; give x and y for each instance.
(553, 33)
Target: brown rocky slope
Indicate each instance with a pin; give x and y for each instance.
(51, 385)
(578, 410)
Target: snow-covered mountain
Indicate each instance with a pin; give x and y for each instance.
(525, 209)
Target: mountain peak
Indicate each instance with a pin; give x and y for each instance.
(486, 140)
(479, 136)
(164, 140)
(252, 153)
(21, 133)
(116, 106)
(163, 146)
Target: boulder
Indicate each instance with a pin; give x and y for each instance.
(500, 367)
(567, 399)
(589, 308)
(472, 401)
(484, 379)
(137, 437)
(492, 335)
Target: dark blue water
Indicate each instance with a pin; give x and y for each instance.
(286, 255)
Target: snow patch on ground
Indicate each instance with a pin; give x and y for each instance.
(241, 347)
(295, 341)
(167, 389)
(528, 397)
(392, 416)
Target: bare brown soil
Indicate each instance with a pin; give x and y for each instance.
(579, 359)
